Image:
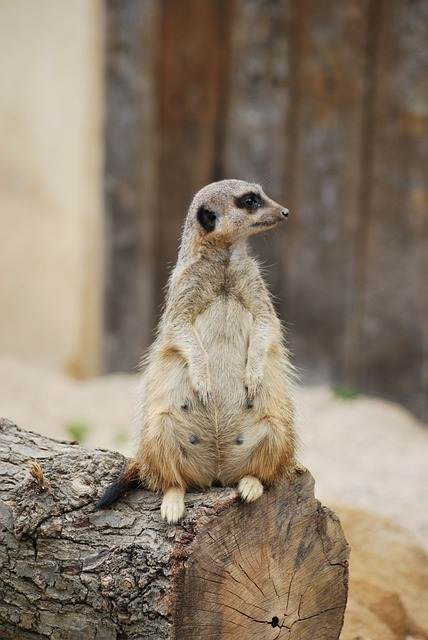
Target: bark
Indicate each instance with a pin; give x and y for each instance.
(273, 569)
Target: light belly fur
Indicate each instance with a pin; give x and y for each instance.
(224, 331)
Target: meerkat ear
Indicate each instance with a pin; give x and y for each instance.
(206, 219)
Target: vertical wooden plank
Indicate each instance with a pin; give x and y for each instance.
(393, 353)
(130, 178)
(331, 41)
(255, 142)
(194, 44)
(254, 146)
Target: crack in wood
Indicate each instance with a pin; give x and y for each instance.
(315, 615)
(250, 579)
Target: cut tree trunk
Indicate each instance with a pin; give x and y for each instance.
(277, 568)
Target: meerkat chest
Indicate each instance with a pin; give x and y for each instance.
(224, 328)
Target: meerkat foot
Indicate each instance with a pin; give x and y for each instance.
(172, 507)
(250, 488)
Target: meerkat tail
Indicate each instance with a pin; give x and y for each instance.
(129, 479)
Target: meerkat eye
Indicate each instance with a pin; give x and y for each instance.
(251, 201)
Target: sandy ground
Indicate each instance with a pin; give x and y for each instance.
(363, 452)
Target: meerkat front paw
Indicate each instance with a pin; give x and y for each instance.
(202, 390)
(252, 382)
(172, 507)
(250, 488)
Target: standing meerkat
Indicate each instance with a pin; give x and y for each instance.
(215, 400)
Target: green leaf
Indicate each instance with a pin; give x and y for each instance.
(77, 430)
(345, 393)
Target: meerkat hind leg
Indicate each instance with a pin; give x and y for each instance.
(250, 488)
(172, 507)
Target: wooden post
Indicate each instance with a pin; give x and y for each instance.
(130, 180)
(256, 140)
(391, 354)
(277, 568)
(327, 116)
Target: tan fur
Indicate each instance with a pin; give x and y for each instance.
(215, 397)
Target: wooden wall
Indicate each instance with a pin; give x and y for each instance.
(323, 102)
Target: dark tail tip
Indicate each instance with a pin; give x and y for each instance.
(129, 479)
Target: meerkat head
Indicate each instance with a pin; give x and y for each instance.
(225, 212)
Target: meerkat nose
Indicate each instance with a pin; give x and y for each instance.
(285, 213)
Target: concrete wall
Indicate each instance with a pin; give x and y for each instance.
(51, 244)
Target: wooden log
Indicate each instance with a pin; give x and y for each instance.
(277, 568)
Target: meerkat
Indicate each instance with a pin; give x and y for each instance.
(215, 396)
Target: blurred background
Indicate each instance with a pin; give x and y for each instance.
(113, 113)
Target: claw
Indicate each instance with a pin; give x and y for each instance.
(250, 488)
(203, 393)
(253, 385)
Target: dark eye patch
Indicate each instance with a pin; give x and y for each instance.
(250, 201)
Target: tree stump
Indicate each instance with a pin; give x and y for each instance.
(277, 568)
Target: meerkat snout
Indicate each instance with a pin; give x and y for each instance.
(285, 213)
